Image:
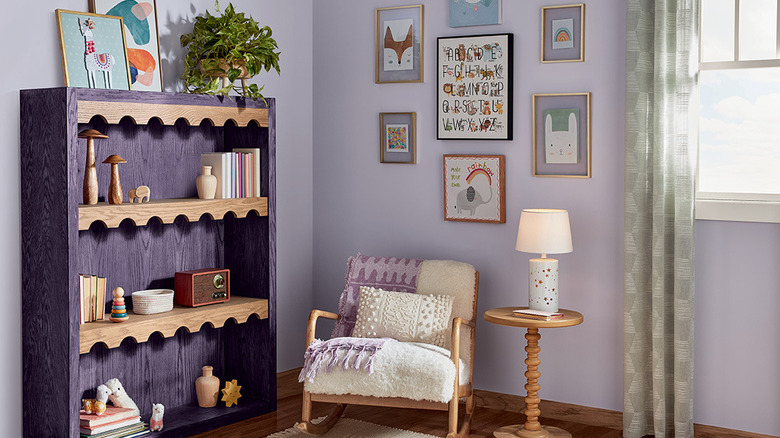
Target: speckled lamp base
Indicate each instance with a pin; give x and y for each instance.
(543, 284)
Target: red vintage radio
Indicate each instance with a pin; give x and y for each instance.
(201, 286)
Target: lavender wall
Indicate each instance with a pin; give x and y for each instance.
(33, 26)
(391, 209)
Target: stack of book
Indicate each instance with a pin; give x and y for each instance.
(538, 315)
(92, 298)
(237, 172)
(114, 423)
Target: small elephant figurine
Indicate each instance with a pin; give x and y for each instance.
(141, 193)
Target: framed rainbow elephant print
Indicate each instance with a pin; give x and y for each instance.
(143, 44)
(93, 50)
(474, 188)
(563, 33)
(399, 44)
(561, 135)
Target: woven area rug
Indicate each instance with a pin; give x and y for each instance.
(349, 428)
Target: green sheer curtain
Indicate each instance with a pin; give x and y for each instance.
(661, 69)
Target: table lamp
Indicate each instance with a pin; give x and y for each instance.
(543, 231)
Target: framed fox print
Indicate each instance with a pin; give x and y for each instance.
(399, 44)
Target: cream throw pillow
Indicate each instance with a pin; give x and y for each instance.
(403, 316)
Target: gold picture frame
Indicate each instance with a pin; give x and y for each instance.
(403, 127)
(557, 159)
(73, 46)
(391, 23)
(563, 33)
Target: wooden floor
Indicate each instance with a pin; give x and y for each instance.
(493, 411)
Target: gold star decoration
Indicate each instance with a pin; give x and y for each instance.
(231, 393)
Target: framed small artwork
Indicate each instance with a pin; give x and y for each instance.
(474, 12)
(93, 50)
(561, 135)
(563, 33)
(398, 138)
(474, 87)
(474, 188)
(143, 44)
(399, 44)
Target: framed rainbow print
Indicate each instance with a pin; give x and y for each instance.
(143, 44)
(398, 138)
(563, 33)
(474, 188)
(399, 44)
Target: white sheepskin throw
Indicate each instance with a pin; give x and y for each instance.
(448, 277)
(400, 369)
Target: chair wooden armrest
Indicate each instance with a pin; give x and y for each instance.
(455, 341)
(312, 326)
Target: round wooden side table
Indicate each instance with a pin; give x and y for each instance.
(532, 428)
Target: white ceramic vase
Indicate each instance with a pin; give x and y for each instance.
(206, 183)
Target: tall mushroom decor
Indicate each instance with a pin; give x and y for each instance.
(90, 173)
(114, 188)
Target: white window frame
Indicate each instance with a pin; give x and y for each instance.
(742, 207)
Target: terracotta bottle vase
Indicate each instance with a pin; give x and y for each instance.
(206, 183)
(207, 388)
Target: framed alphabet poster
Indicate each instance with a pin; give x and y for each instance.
(474, 188)
(474, 87)
(399, 44)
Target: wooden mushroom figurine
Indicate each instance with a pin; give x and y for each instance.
(90, 172)
(114, 188)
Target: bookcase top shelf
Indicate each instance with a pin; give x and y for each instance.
(140, 327)
(168, 114)
(168, 210)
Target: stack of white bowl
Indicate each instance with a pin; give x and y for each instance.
(147, 302)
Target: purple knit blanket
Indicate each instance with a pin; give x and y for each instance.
(388, 273)
(323, 356)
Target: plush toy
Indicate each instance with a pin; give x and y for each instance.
(120, 398)
(97, 405)
(156, 422)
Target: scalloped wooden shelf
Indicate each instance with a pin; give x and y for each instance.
(168, 210)
(141, 113)
(140, 327)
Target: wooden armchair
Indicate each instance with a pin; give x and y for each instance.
(435, 277)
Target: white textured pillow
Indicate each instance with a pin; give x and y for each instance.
(403, 316)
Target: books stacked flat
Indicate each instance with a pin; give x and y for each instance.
(114, 423)
(92, 298)
(237, 172)
(538, 315)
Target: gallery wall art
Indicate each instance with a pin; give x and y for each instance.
(474, 87)
(93, 50)
(399, 44)
(563, 33)
(474, 188)
(143, 45)
(561, 135)
(474, 12)
(398, 138)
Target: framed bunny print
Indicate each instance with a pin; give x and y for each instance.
(561, 135)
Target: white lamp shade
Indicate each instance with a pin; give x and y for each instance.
(544, 231)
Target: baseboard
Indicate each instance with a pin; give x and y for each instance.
(288, 386)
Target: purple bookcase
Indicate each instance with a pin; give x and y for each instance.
(166, 157)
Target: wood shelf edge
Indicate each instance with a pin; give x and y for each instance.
(141, 327)
(168, 114)
(167, 210)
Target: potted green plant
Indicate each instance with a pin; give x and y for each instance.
(224, 48)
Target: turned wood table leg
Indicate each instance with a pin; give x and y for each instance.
(532, 428)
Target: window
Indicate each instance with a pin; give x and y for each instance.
(739, 119)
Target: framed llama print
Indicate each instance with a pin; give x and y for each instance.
(93, 50)
(561, 135)
(398, 138)
(563, 33)
(399, 44)
(143, 45)
(474, 188)
(474, 12)
(474, 87)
